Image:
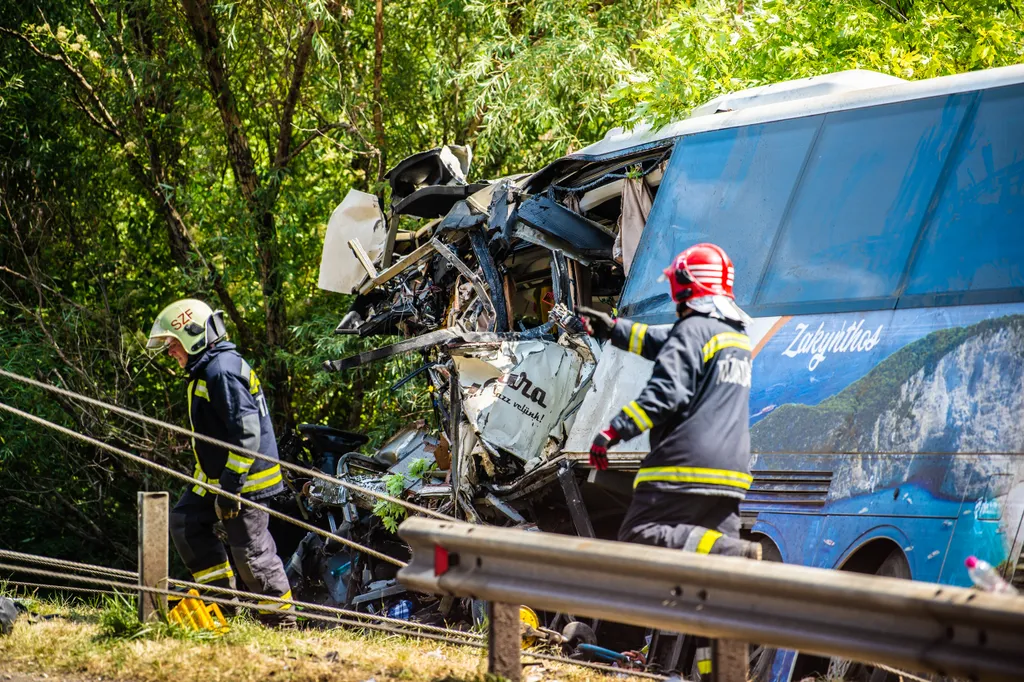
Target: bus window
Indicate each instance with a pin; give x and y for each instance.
(728, 186)
(860, 203)
(975, 242)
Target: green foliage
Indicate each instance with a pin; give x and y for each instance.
(391, 514)
(419, 468)
(119, 619)
(91, 181)
(705, 48)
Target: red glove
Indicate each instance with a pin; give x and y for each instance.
(599, 448)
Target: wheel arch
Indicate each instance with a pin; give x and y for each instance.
(876, 554)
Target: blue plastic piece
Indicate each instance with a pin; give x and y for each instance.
(601, 654)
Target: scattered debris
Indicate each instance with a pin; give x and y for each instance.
(8, 614)
(481, 279)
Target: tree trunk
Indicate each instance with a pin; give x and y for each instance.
(259, 200)
(378, 77)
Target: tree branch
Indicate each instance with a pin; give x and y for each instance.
(204, 30)
(378, 77)
(284, 138)
(315, 135)
(110, 126)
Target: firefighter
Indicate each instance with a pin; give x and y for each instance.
(688, 489)
(226, 402)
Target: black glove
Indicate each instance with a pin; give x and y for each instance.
(226, 508)
(599, 325)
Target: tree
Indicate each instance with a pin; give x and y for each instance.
(156, 149)
(710, 47)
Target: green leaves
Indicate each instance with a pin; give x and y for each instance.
(391, 514)
(704, 49)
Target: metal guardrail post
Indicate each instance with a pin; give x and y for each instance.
(153, 553)
(504, 641)
(729, 661)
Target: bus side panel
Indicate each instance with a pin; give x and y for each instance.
(894, 415)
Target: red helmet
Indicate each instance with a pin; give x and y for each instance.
(701, 270)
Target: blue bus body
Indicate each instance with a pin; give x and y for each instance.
(880, 249)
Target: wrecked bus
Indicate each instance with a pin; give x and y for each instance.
(876, 227)
(878, 240)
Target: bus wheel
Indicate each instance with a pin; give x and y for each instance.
(893, 564)
(878, 557)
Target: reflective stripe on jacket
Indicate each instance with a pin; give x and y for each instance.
(696, 405)
(226, 402)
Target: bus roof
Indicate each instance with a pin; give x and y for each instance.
(802, 97)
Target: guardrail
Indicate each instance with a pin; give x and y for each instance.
(925, 627)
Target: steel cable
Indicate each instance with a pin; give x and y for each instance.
(228, 446)
(92, 568)
(185, 477)
(405, 630)
(322, 607)
(227, 602)
(69, 588)
(64, 563)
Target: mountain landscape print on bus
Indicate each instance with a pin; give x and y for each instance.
(939, 380)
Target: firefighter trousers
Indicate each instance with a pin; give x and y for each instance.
(250, 542)
(697, 523)
(707, 524)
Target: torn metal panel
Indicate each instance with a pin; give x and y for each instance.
(618, 379)
(502, 211)
(585, 236)
(590, 352)
(461, 217)
(493, 277)
(412, 441)
(514, 394)
(435, 201)
(431, 339)
(447, 165)
(577, 170)
(358, 217)
(505, 509)
(574, 499)
(409, 345)
(549, 242)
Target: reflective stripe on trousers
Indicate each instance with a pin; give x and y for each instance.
(219, 572)
(702, 659)
(276, 606)
(723, 477)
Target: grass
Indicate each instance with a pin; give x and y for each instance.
(104, 639)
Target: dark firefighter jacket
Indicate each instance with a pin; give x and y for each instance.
(225, 401)
(695, 405)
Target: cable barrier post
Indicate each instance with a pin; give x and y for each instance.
(153, 554)
(504, 641)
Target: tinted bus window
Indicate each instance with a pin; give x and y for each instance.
(858, 208)
(727, 186)
(976, 238)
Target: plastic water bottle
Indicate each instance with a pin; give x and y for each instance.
(987, 578)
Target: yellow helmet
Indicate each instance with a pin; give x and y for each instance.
(196, 325)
